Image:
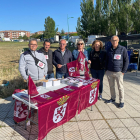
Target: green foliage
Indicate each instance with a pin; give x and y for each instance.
(25, 37)
(20, 37)
(37, 36)
(78, 28)
(62, 33)
(108, 16)
(50, 30)
(87, 17)
(74, 34)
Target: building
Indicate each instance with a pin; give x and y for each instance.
(1, 35)
(13, 34)
(39, 32)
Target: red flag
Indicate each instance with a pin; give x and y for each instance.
(31, 87)
(87, 77)
(73, 68)
(80, 59)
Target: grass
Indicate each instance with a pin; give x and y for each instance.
(9, 62)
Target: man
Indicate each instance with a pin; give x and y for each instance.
(117, 64)
(33, 63)
(48, 55)
(61, 57)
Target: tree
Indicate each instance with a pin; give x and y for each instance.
(135, 14)
(74, 34)
(87, 18)
(50, 30)
(78, 28)
(62, 33)
(25, 37)
(20, 37)
(37, 36)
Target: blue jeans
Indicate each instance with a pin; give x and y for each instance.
(60, 75)
(98, 74)
(49, 76)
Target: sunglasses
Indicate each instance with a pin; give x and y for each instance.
(80, 44)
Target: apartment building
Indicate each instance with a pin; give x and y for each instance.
(15, 33)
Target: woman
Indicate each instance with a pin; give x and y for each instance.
(97, 59)
(80, 47)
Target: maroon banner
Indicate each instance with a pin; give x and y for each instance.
(56, 113)
(88, 95)
(32, 91)
(73, 68)
(80, 59)
(20, 109)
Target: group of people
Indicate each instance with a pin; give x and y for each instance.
(39, 63)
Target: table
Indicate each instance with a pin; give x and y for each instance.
(60, 110)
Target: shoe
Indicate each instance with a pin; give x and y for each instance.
(110, 101)
(100, 97)
(121, 105)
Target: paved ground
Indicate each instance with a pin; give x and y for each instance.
(104, 122)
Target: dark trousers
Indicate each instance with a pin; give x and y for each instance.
(98, 74)
(60, 75)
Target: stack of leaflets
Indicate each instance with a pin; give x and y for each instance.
(26, 98)
(71, 82)
(77, 84)
(64, 81)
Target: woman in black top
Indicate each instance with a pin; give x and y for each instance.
(97, 59)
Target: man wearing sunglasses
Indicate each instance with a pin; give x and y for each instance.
(33, 63)
(61, 57)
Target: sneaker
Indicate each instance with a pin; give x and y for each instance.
(110, 101)
(121, 105)
(100, 97)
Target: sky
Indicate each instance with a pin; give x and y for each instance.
(30, 15)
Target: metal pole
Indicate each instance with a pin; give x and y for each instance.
(68, 25)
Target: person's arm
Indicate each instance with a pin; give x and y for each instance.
(86, 55)
(104, 60)
(106, 64)
(70, 58)
(74, 56)
(125, 61)
(22, 65)
(54, 62)
(89, 61)
(46, 65)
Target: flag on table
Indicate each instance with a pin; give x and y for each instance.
(87, 77)
(73, 68)
(32, 91)
(81, 61)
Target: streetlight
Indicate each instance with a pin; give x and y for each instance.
(68, 24)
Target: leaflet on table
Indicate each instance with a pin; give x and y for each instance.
(26, 97)
(66, 90)
(43, 98)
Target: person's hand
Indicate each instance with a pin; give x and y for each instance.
(123, 73)
(59, 66)
(89, 61)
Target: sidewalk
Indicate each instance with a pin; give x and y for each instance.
(106, 121)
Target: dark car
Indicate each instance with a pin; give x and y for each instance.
(51, 40)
